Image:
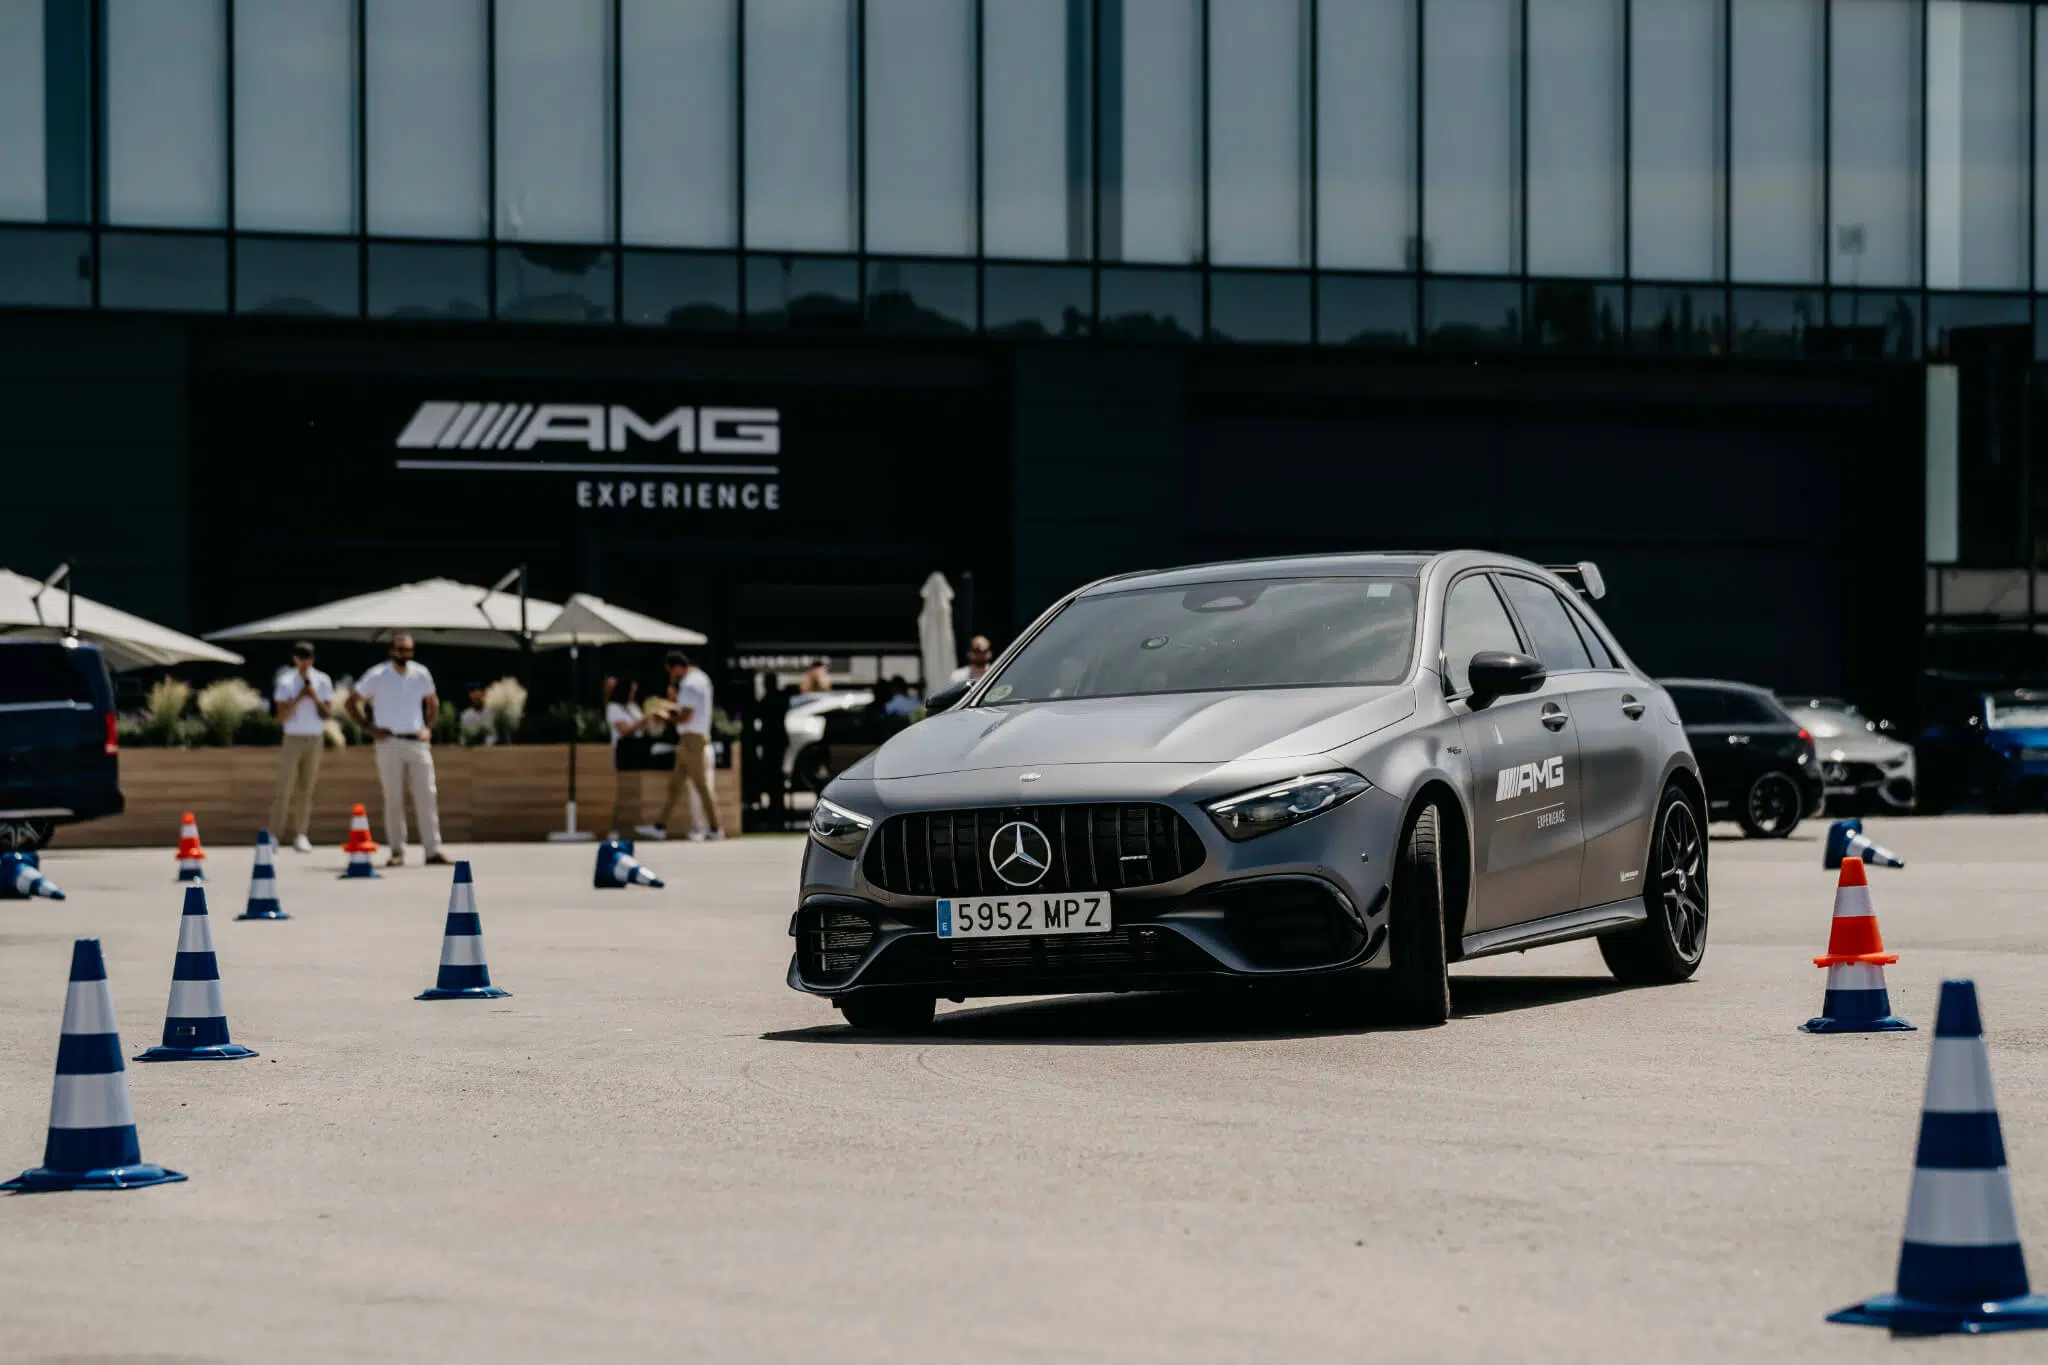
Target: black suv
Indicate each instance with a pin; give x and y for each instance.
(59, 758)
(1757, 762)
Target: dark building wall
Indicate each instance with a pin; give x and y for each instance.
(93, 457)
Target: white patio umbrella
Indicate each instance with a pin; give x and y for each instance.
(125, 641)
(587, 620)
(935, 643)
(438, 610)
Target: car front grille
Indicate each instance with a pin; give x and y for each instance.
(1094, 848)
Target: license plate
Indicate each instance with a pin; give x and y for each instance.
(1075, 912)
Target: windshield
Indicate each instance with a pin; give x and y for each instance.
(2029, 712)
(1286, 632)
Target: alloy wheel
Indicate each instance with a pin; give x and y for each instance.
(1774, 803)
(1682, 874)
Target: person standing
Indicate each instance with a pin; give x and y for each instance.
(623, 718)
(979, 654)
(817, 678)
(301, 701)
(690, 687)
(403, 706)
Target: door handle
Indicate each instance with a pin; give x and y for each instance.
(1554, 717)
(1738, 739)
(1631, 708)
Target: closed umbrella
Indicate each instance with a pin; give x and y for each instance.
(935, 633)
(125, 641)
(587, 620)
(437, 610)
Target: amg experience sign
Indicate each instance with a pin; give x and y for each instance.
(618, 457)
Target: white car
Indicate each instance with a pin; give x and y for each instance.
(806, 728)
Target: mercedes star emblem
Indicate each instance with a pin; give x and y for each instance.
(1020, 854)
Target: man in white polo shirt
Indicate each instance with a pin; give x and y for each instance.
(300, 700)
(403, 707)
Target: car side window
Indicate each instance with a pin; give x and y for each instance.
(1474, 621)
(1702, 705)
(1595, 646)
(1549, 623)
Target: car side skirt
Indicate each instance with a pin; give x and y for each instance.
(1599, 919)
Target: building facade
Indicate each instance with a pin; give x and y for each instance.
(754, 311)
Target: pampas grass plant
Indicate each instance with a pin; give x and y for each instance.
(505, 704)
(223, 705)
(164, 707)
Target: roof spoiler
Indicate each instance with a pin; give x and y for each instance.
(1585, 576)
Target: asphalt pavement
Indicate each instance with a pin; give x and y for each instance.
(654, 1150)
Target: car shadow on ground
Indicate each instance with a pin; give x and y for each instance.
(1195, 1017)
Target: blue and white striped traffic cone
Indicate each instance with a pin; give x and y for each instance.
(617, 867)
(464, 974)
(196, 1022)
(1960, 1269)
(1846, 839)
(21, 878)
(92, 1143)
(263, 882)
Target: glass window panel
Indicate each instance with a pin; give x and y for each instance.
(919, 298)
(1365, 310)
(1258, 129)
(297, 276)
(43, 269)
(1472, 315)
(24, 188)
(1037, 302)
(1977, 327)
(1471, 136)
(295, 115)
(1872, 325)
(1776, 122)
(1675, 139)
(1976, 145)
(1774, 322)
(676, 290)
(554, 140)
(555, 284)
(2040, 154)
(800, 124)
(1575, 137)
(920, 126)
(425, 74)
(1570, 316)
(1151, 132)
(1259, 307)
(1875, 126)
(1677, 321)
(678, 73)
(166, 103)
(1035, 129)
(163, 274)
(68, 111)
(802, 293)
(1365, 141)
(1151, 305)
(428, 281)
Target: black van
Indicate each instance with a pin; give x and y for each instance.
(59, 756)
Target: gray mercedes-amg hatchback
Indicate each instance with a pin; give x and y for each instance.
(1356, 767)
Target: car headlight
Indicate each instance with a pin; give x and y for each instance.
(839, 829)
(1276, 807)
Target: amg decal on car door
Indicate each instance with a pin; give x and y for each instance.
(1529, 777)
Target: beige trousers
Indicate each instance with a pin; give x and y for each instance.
(692, 773)
(403, 763)
(297, 770)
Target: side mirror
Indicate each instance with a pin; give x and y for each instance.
(1497, 673)
(946, 697)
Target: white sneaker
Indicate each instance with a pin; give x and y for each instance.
(715, 835)
(695, 836)
(650, 831)
(302, 844)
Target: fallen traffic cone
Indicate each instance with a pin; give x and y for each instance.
(191, 857)
(464, 974)
(360, 846)
(1960, 1269)
(616, 867)
(1856, 1000)
(263, 882)
(21, 879)
(1847, 839)
(196, 1023)
(92, 1144)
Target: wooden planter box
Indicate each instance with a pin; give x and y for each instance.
(493, 793)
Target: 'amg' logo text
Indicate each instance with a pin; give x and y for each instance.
(1529, 777)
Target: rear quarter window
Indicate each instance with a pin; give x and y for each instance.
(33, 674)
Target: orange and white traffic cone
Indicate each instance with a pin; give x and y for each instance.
(191, 857)
(360, 846)
(1857, 1001)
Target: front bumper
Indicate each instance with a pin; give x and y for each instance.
(1860, 782)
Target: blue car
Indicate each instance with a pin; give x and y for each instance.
(1992, 749)
(59, 755)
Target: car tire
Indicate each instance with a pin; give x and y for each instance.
(1419, 984)
(888, 1011)
(1772, 807)
(1668, 946)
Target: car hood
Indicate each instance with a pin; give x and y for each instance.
(1193, 727)
(1860, 746)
